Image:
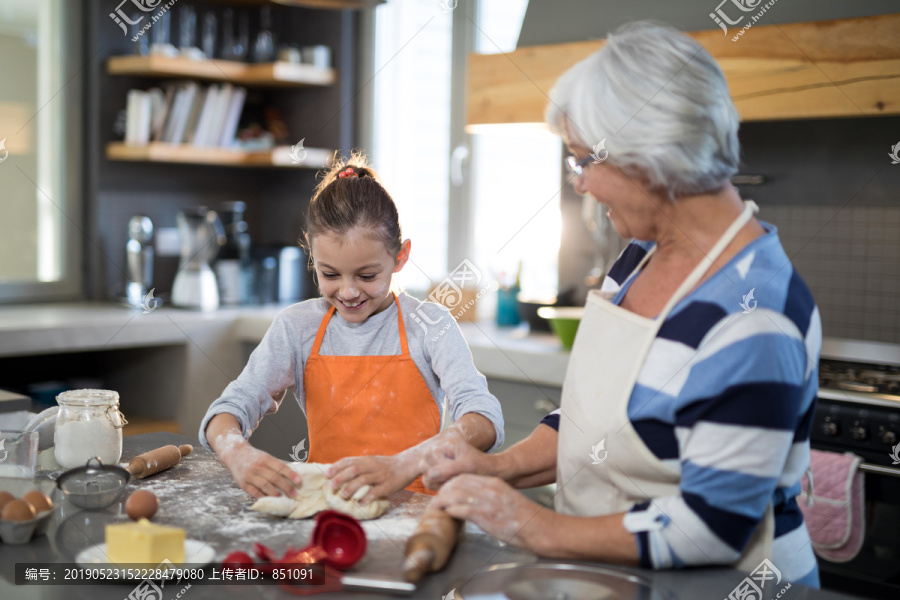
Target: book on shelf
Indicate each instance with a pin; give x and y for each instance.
(185, 113)
(138, 118)
(194, 117)
(158, 102)
(220, 106)
(186, 96)
(232, 117)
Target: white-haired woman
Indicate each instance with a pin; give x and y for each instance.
(684, 426)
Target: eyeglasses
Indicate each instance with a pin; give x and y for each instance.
(576, 167)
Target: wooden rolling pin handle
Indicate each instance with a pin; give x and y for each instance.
(155, 461)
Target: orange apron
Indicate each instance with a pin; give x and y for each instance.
(367, 405)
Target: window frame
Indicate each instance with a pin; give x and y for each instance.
(460, 225)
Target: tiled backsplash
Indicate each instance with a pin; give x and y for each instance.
(850, 259)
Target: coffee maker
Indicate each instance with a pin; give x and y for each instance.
(202, 234)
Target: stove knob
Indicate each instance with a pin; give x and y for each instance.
(830, 427)
(859, 432)
(889, 437)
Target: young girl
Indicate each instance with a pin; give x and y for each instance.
(370, 382)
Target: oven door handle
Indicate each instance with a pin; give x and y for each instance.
(879, 470)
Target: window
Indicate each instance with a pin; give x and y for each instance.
(513, 218)
(515, 174)
(411, 128)
(515, 196)
(38, 239)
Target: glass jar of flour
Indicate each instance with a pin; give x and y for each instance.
(88, 424)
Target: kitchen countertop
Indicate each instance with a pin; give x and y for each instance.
(508, 353)
(515, 353)
(511, 353)
(200, 496)
(84, 326)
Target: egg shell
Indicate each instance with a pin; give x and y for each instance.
(39, 500)
(5, 498)
(18, 510)
(142, 504)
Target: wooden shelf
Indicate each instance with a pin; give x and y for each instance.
(316, 158)
(275, 74)
(840, 68)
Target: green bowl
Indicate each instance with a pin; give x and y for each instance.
(564, 322)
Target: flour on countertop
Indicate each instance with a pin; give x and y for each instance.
(200, 496)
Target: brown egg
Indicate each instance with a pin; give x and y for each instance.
(17, 510)
(141, 505)
(5, 498)
(39, 500)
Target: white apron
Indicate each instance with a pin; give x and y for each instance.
(609, 351)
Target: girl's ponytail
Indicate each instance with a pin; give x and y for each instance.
(349, 196)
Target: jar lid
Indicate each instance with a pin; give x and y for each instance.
(88, 398)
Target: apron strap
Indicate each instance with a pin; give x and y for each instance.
(404, 346)
(320, 335)
(710, 259)
(688, 284)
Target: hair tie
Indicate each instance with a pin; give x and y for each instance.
(348, 172)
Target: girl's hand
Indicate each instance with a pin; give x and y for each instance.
(259, 473)
(386, 475)
(448, 456)
(495, 507)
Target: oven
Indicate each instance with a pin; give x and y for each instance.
(858, 411)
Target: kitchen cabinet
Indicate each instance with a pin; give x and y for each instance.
(838, 68)
(524, 405)
(148, 401)
(168, 366)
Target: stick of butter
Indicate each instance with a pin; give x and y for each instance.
(144, 542)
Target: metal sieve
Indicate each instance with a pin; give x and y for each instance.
(95, 485)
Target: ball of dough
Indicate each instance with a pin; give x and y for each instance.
(316, 494)
(274, 506)
(352, 507)
(310, 498)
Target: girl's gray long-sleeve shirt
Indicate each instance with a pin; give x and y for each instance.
(436, 345)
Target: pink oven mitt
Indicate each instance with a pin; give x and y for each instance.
(836, 516)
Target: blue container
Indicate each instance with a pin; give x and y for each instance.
(507, 307)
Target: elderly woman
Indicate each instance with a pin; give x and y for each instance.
(683, 431)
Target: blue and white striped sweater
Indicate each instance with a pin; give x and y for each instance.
(726, 398)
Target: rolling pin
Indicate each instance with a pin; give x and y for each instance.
(151, 463)
(430, 546)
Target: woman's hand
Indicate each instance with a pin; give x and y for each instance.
(257, 472)
(386, 475)
(495, 507)
(448, 457)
